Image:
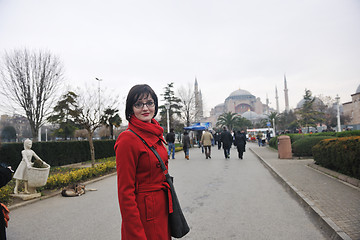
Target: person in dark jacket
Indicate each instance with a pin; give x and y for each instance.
(5, 177)
(186, 144)
(170, 139)
(226, 139)
(240, 142)
(217, 140)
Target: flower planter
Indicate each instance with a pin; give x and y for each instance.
(37, 177)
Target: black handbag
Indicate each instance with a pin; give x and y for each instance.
(177, 221)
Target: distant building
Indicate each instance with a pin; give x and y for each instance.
(243, 103)
(20, 123)
(352, 109)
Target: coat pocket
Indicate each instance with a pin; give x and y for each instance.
(149, 207)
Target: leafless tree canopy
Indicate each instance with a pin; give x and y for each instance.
(90, 112)
(187, 97)
(30, 80)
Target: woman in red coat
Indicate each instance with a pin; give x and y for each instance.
(142, 188)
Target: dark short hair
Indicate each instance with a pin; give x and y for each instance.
(135, 93)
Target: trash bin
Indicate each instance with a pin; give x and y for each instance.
(284, 147)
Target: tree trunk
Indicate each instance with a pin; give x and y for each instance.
(112, 131)
(92, 149)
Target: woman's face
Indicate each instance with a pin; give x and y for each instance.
(144, 108)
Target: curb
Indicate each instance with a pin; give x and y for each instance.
(56, 192)
(326, 224)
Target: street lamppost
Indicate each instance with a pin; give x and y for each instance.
(99, 80)
(338, 112)
(167, 106)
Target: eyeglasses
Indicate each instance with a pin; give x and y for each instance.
(140, 105)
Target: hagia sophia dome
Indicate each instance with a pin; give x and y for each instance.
(241, 102)
(241, 94)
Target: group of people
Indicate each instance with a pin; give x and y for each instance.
(227, 139)
(224, 139)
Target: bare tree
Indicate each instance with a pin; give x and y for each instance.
(30, 80)
(187, 97)
(89, 115)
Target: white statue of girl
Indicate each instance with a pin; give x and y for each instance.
(25, 164)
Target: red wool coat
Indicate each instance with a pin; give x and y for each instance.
(142, 190)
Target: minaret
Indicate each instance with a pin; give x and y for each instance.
(201, 113)
(287, 109)
(277, 100)
(197, 101)
(267, 104)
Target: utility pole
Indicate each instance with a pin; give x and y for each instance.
(167, 106)
(99, 80)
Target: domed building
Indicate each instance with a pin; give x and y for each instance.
(352, 109)
(242, 102)
(317, 103)
(239, 101)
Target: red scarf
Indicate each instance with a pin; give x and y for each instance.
(151, 132)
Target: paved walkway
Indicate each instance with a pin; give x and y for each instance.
(334, 202)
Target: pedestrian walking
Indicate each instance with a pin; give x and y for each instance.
(268, 136)
(170, 139)
(263, 140)
(240, 142)
(226, 139)
(186, 144)
(206, 140)
(218, 139)
(142, 188)
(259, 136)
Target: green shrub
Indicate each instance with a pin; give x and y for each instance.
(348, 133)
(295, 137)
(274, 142)
(5, 192)
(303, 146)
(340, 154)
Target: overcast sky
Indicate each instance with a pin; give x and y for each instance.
(225, 44)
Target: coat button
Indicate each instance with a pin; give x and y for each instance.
(158, 165)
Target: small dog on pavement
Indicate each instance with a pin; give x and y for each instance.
(74, 190)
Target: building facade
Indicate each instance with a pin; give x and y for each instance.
(352, 110)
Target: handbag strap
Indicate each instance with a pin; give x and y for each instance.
(164, 169)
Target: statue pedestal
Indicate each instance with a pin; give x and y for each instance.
(25, 196)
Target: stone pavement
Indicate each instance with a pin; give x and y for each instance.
(334, 203)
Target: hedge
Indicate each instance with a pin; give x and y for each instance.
(297, 136)
(303, 147)
(57, 153)
(341, 155)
